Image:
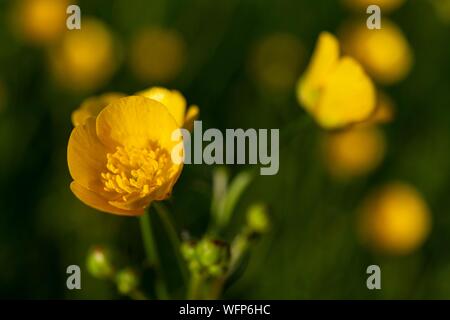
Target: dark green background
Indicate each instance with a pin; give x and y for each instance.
(312, 250)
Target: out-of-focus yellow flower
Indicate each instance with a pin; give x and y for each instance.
(385, 5)
(355, 151)
(40, 21)
(384, 111)
(384, 53)
(335, 91)
(275, 61)
(395, 219)
(442, 8)
(176, 103)
(86, 58)
(120, 161)
(91, 107)
(173, 100)
(157, 55)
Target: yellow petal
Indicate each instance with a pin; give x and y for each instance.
(348, 96)
(136, 121)
(323, 61)
(191, 115)
(172, 99)
(86, 156)
(95, 201)
(91, 107)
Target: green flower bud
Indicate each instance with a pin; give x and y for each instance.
(216, 270)
(127, 281)
(257, 218)
(209, 252)
(188, 250)
(194, 266)
(98, 263)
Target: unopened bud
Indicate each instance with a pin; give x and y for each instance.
(257, 218)
(99, 263)
(127, 281)
(188, 250)
(210, 252)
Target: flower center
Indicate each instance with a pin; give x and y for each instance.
(135, 173)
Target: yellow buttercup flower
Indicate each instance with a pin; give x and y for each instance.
(40, 21)
(395, 219)
(120, 161)
(86, 58)
(385, 5)
(173, 100)
(354, 151)
(157, 55)
(335, 90)
(176, 104)
(384, 53)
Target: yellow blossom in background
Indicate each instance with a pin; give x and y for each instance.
(176, 103)
(86, 58)
(384, 111)
(275, 61)
(442, 8)
(91, 107)
(395, 219)
(384, 53)
(335, 90)
(385, 5)
(353, 152)
(40, 21)
(120, 161)
(173, 100)
(157, 55)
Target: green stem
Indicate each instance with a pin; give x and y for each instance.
(138, 295)
(239, 247)
(173, 237)
(195, 287)
(152, 255)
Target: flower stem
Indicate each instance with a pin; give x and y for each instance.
(152, 255)
(195, 286)
(173, 237)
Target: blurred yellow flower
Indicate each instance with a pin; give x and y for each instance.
(173, 100)
(385, 5)
(354, 152)
(384, 111)
(157, 55)
(176, 104)
(91, 107)
(275, 61)
(442, 8)
(384, 53)
(335, 90)
(395, 219)
(40, 21)
(120, 161)
(86, 58)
